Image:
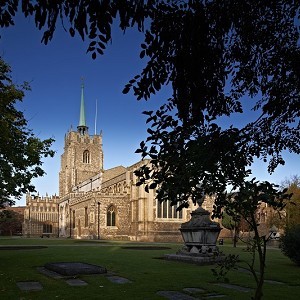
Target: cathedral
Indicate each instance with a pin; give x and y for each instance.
(94, 203)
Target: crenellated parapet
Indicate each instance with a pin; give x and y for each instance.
(30, 199)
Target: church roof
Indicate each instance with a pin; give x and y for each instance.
(113, 172)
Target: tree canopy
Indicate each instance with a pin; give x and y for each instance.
(219, 57)
(292, 211)
(21, 152)
(10, 222)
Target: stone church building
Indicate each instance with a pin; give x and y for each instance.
(94, 203)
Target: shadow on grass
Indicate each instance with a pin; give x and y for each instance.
(22, 247)
(145, 248)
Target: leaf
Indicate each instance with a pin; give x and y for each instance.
(126, 89)
(153, 185)
(142, 54)
(102, 38)
(148, 113)
(100, 51)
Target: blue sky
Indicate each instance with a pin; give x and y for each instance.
(54, 72)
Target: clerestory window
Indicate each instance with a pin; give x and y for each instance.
(166, 211)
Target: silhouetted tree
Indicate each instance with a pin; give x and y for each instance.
(20, 150)
(221, 57)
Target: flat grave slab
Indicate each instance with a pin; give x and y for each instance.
(273, 281)
(193, 290)
(117, 279)
(234, 287)
(174, 295)
(214, 296)
(75, 268)
(49, 273)
(76, 282)
(29, 286)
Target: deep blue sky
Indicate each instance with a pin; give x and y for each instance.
(54, 73)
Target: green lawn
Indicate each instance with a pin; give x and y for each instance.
(145, 268)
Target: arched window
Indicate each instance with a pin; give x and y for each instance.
(86, 157)
(111, 216)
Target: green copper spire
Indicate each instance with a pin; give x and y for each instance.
(82, 128)
(82, 111)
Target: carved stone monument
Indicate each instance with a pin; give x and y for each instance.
(200, 236)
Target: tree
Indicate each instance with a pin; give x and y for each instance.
(21, 152)
(290, 243)
(10, 222)
(232, 223)
(292, 210)
(215, 54)
(243, 204)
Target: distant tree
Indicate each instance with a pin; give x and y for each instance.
(20, 150)
(232, 224)
(290, 243)
(10, 222)
(292, 210)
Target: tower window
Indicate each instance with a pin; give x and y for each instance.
(86, 157)
(111, 216)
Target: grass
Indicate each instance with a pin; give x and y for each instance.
(145, 268)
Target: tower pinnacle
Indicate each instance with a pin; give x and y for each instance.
(82, 128)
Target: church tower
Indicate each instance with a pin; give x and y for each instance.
(83, 154)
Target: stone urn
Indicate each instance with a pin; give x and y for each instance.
(200, 234)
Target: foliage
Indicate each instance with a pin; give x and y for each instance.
(290, 243)
(244, 203)
(217, 55)
(20, 150)
(233, 225)
(199, 47)
(223, 267)
(234, 53)
(10, 222)
(292, 210)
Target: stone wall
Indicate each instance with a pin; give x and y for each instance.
(41, 211)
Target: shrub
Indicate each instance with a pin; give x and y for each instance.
(290, 244)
